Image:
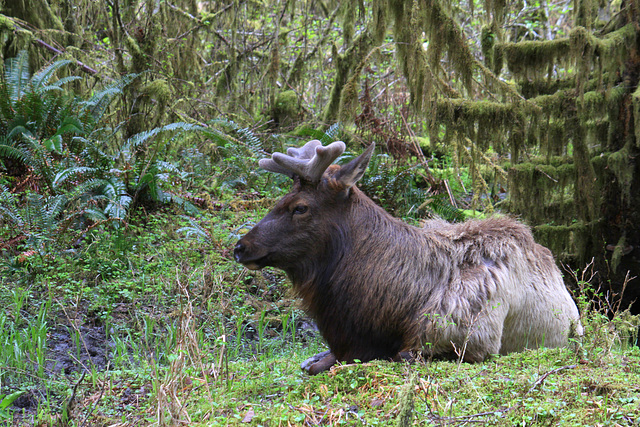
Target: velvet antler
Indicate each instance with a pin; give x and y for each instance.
(308, 162)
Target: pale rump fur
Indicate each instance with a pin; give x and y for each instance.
(378, 287)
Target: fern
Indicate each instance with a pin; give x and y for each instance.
(14, 153)
(63, 175)
(138, 139)
(17, 75)
(331, 134)
(38, 218)
(97, 105)
(246, 137)
(118, 199)
(195, 230)
(41, 78)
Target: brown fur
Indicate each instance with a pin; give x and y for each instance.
(377, 286)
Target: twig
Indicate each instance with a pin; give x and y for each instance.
(544, 377)
(71, 402)
(95, 404)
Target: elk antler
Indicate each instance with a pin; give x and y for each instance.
(308, 162)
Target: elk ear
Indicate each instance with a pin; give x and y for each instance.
(351, 173)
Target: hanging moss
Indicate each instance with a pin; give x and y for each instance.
(487, 112)
(410, 51)
(348, 21)
(568, 242)
(532, 59)
(587, 194)
(160, 91)
(635, 99)
(618, 252)
(445, 35)
(619, 162)
(344, 64)
(593, 102)
(529, 59)
(380, 20)
(615, 102)
(556, 141)
(541, 189)
(616, 45)
(487, 44)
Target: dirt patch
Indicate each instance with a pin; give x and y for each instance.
(73, 350)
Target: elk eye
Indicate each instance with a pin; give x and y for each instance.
(300, 209)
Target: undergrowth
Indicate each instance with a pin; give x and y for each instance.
(162, 329)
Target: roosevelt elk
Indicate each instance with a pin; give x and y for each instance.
(378, 287)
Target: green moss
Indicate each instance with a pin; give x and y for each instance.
(619, 162)
(486, 112)
(618, 253)
(635, 99)
(615, 45)
(286, 110)
(158, 89)
(487, 44)
(567, 242)
(542, 189)
(5, 23)
(533, 58)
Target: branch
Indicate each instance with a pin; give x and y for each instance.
(82, 65)
(544, 377)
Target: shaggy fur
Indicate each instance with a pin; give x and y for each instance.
(378, 287)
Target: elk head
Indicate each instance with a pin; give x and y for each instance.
(300, 231)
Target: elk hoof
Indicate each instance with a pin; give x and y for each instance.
(318, 363)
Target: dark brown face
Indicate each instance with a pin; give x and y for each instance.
(298, 228)
(306, 224)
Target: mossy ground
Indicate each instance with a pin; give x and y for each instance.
(191, 338)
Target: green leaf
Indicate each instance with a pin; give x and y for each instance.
(6, 401)
(54, 144)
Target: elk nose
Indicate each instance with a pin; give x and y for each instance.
(238, 251)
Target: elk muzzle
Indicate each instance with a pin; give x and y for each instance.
(253, 260)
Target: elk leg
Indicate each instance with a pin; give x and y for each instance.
(405, 356)
(319, 363)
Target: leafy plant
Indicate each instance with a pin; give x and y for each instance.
(6, 401)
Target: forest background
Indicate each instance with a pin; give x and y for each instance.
(130, 128)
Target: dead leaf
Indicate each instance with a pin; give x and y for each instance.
(248, 416)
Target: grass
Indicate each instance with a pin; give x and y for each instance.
(146, 327)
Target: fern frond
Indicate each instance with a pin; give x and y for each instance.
(42, 77)
(119, 201)
(85, 188)
(17, 74)
(62, 81)
(54, 205)
(98, 103)
(246, 137)
(189, 207)
(331, 134)
(195, 230)
(72, 171)
(14, 153)
(18, 128)
(9, 207)
(140, 138)
(95, 214)
(167, 167)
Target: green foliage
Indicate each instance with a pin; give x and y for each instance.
(82, 173)
(6, 401)
(403, 190)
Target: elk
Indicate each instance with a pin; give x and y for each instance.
(379, 288)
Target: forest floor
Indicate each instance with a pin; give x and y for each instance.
(148, 327)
